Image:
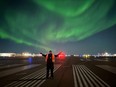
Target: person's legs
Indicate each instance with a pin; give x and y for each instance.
(52, 69)
(47, 72)
(52, 73)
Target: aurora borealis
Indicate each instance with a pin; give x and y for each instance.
(49, 24)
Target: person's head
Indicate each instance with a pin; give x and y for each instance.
(50, 51)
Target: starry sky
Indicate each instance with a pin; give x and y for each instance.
(72, 26)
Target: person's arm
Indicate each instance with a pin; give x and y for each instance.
(58, 54)
(43, 54)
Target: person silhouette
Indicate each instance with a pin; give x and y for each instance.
(50, 60)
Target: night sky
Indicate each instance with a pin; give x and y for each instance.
(72, 26)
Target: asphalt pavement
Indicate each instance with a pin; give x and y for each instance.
(68, 72)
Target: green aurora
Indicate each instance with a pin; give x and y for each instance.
(38, 23)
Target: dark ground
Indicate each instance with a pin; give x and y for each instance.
(63, 77)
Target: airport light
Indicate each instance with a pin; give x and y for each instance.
(86, 55)
(7, 54)
(26, 54)
(106, 54)
(114, 55)
(76, 55)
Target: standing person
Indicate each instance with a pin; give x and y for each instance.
(49, 59)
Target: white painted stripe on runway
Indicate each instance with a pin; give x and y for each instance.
(81, 76)
(38, 83)
(34, 83)
(33, 80)
(78, 77)
(99, 79)
(108, 68)
(38, 73)
(84, 77)
(89, 78)
(94, 78)
(34, 74)
(75, 84)
(15, 70)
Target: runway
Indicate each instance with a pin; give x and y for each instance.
(68, 72)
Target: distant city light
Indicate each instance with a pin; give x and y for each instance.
(62, 55)
(7, 54)
(26, 54)
(86, 55)
(39, 55)
(114, 55)
(76, 55)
